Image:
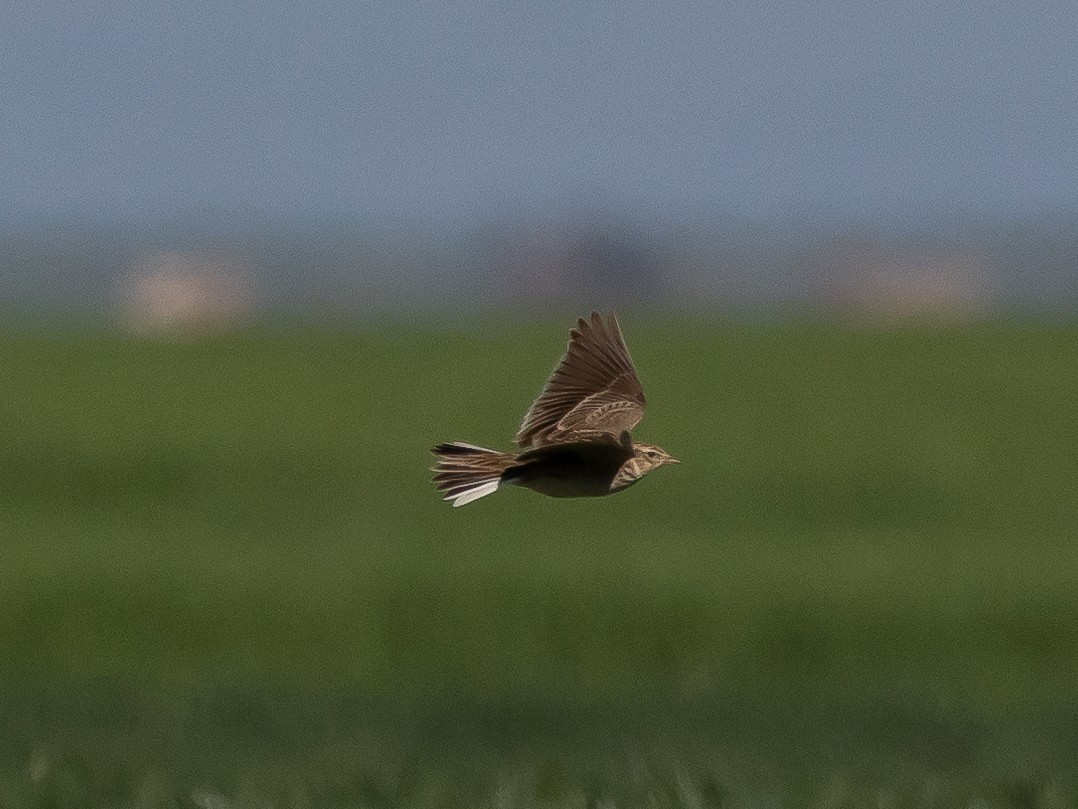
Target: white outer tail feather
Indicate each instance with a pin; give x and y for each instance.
(479, 490)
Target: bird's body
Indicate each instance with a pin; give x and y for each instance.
(572, 469)
(575, 439)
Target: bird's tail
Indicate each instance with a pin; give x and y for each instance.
(465, 472)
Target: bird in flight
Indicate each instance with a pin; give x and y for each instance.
(574, 440)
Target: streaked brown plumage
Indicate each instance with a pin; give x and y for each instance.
(574, 440)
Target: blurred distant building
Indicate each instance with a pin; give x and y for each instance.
(185, 290)
(894, 281)
(603, 265)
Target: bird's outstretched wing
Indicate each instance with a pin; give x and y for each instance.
(593, 389)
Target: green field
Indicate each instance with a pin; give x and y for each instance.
(227, 580)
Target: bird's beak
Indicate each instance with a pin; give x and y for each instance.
(672, 460)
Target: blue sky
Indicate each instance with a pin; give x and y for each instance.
(445, 114)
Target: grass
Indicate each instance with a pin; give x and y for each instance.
(223, 556)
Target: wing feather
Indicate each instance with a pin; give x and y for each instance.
(594, 388)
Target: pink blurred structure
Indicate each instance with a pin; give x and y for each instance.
(185, 290)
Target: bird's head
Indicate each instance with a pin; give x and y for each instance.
(646, 457)
(652, 457)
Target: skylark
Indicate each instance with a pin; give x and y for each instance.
(574, 440)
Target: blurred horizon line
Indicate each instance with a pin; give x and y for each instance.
(218, 266)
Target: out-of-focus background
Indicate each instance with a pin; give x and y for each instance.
(256, 260)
